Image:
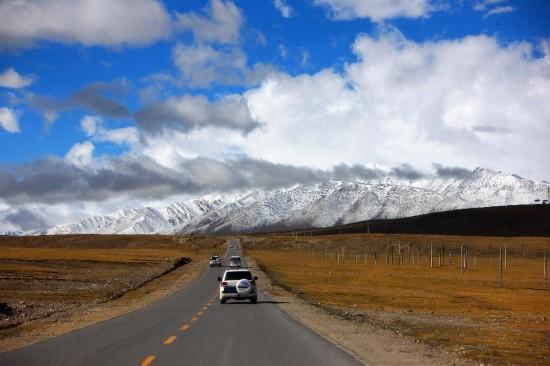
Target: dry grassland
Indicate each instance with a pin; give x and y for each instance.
(44, 276)
(466, 311)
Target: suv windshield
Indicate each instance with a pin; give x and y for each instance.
(238, 275)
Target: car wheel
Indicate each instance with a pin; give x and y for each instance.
(253, 300)
(222, 301)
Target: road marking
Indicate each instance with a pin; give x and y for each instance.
(200, 313)
(184, 327)
(170, 340)
(194, 319)
(205, 307)
(147, 361)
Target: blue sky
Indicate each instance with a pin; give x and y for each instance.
(60, 69)
(271, 81)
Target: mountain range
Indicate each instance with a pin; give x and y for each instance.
(317, 205)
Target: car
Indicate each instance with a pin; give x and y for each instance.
(215, 261)
(235, 261)
(238, 284)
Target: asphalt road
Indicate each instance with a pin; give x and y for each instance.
(190, 327)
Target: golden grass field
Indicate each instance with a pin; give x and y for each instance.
(45, 275)
(465, 312)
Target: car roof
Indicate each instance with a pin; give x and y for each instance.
(237, 270)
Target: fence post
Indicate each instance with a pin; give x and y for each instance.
(500, 267)
(545, 272)
(466, 257)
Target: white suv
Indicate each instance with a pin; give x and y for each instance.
(215, 261)
(238, 284)
(235, 261)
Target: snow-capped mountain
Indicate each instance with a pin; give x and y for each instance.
(318, 204)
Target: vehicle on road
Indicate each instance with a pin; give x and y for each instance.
(235, 261)
(238, 284)
(215, 261)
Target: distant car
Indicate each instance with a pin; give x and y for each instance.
(238, 284)
(235, 261)
(215, 261)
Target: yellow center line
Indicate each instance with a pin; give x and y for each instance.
(184, 327)
(147, 360)
(194, 319)
(170, 340)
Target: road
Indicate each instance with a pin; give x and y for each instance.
(189, 327)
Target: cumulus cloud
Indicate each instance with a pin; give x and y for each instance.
(202, 65)
(376, 10)
(81, 154)
(451, 171)
(9, 119)
(469, 102)
(99, 97)
(221, 23)
(10, 78)
(53, 180)
(94, 127)
(190, 112)
(88, 22)
(24, 219)
(79, 177)
(285, 9)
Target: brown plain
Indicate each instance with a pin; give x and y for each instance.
(52, 277)
(465, 312)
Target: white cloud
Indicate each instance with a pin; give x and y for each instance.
(94, 127)
(485, 4)
(81, 154)
(500, 10)
(13, 80)
(8, 120)
(284, 8)
(221, 23)
(88, 22)
(191, 112)
(376, 10)
(466, 102)
(202, 65)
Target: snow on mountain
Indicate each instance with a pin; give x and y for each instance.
(317, 205)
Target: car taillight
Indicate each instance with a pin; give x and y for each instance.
(224, 284)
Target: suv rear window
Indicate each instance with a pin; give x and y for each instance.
(238, 275)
